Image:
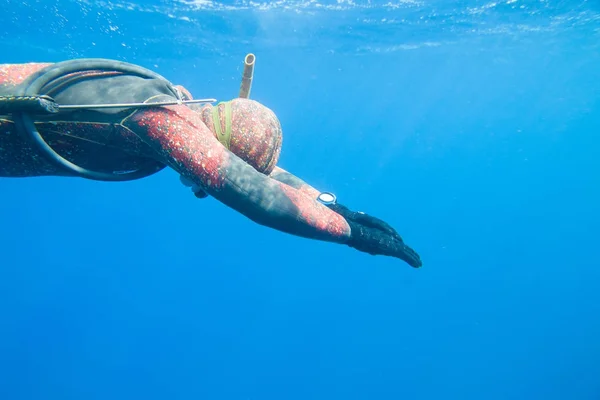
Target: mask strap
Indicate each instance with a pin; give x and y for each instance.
(223, 137)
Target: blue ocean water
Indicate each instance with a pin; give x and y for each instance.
(471, 126)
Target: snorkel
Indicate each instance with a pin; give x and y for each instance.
(224, 136)
(247, 76)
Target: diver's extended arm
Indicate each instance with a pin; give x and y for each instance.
(188, 146)
(183, 142)
(370, 234)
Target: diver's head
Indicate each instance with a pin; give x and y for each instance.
(248, 129)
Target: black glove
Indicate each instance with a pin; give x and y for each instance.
(200, 194)
(374, 236)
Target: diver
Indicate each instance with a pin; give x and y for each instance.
(113, 121)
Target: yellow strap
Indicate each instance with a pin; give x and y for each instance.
(223, 137)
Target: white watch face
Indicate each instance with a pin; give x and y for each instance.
(326, 197)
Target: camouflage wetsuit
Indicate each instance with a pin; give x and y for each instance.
(112, 140)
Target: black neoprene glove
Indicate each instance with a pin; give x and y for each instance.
(376, 237)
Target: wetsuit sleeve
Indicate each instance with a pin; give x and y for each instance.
(283, 176)
(183, 142)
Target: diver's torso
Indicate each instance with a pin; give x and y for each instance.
(92, 139)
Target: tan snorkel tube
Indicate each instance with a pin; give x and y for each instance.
(247, 76)
(224, 136)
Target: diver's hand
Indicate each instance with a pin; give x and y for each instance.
(376, 237)
(374, 241)
(197, 190)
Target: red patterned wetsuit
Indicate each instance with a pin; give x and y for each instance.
(113, 140)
